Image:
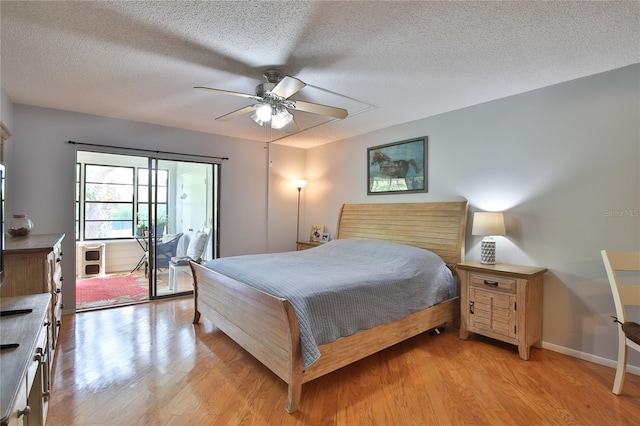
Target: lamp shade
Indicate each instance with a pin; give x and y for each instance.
(488, 223)
(281, 118)
(299, 183)
(263, 112)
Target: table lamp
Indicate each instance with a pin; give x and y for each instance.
(488, 224)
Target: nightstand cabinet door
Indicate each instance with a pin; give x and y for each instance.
(492, 312)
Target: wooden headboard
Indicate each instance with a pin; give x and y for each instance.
(439, 227)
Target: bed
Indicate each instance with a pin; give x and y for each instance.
(267, 326)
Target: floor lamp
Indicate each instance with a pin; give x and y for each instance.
(299, 184)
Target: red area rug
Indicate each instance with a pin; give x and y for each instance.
(110, 291)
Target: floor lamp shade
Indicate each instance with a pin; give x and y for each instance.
(488, 224)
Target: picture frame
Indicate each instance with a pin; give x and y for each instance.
(324, 238)
(316, 232)
(398, 167)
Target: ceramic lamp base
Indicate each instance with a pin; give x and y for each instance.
(488, 252)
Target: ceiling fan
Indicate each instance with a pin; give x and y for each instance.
(274, 103)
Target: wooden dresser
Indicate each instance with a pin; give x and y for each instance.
(25, 376)
(32, 265)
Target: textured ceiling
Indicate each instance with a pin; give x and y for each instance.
(387, 63)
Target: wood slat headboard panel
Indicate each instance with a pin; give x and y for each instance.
(439, 227)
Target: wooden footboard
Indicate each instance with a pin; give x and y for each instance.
(264, 325)
(267, 327)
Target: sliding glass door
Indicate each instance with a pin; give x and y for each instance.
(146, 214)
(182, 221)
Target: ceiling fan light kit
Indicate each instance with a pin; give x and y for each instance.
(263, 113)
(274, 103)
(281, 118)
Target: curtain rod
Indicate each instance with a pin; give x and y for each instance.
(151, 151)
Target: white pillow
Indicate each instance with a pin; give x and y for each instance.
(196, 246)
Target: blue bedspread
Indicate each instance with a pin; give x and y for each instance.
(345, 286)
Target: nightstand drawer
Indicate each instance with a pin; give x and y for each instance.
(493, 282)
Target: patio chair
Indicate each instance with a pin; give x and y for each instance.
(165, 251)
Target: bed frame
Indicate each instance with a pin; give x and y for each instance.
(267, 327)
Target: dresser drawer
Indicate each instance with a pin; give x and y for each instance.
(493, 282)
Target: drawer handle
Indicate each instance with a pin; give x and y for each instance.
(491, 283)
(471, 307)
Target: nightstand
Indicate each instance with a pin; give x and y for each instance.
(503, 302)
(303, 245)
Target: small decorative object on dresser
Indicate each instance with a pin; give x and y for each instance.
(316, 232)
(20, 225)
(324, 238)
(503, 302)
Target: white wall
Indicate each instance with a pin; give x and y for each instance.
(563, 162)
(285, 165)
(41, 177)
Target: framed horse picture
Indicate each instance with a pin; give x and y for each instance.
(399, 167)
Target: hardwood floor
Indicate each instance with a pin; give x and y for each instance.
(148, 365)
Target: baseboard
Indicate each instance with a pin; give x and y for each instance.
(589, 357)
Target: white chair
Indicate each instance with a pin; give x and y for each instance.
(623, 295)
(195, 252)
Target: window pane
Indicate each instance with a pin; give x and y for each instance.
(109, 174)
(108, 211)
(163, 177)
(143, 212)
(108, 229)
(143, 194)
(162, 212)
(108, 192)
(143, 177)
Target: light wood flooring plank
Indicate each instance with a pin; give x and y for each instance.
(149, 365)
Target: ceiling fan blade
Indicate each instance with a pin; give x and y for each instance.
(288, 86)
(321, 109)
(237, 113)
(227, 92)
